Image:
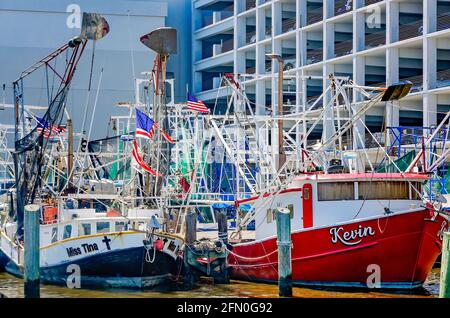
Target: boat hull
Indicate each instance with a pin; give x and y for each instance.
(124, 262)
(117, 269)
(395, 251)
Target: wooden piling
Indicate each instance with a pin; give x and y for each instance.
(190, 238)
(284, 252)
(223, 277)
(31, 251)
(444, 290)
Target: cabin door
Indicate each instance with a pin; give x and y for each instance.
(307, 206)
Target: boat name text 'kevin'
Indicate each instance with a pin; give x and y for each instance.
(353, 237)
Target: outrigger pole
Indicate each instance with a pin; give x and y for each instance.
(29, 150)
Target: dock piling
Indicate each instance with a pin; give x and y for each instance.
(444, 290)
(191, 237)
(222, 277)
(284, 252)
(31, 251)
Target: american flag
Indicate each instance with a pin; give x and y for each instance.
(196, 105)
(145, 127)
(141, 162)
(44, 128)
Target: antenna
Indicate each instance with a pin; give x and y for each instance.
(2, 107)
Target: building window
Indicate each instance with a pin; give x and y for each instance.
(383, 190)
(336, 191)
(103, 227)
(67, 232)
(85, 229)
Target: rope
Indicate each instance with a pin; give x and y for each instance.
(250, 258)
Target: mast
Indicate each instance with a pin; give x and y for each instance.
(70, 153)
(163, 41)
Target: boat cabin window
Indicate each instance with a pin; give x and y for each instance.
(85, 229)
(290, 207)
(336, 191)
(103, 227)
(121, 226)
(67, 232)
(54, 234)
(270, 216)
(415, 195)
(383, 190)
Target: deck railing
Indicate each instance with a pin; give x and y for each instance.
(410, 30)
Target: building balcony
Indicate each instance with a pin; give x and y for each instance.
(369, 2)
(342, 6)
(343, 48)
(417, 82)
(250, 4)
(310, 100)
(443, 21)
(410, 30)
(268, 32)
(250, 37)
(443, 78)
(314, 16)
(314, 56)
(375, 39)
(288, 25)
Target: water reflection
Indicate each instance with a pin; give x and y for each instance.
(12, 287)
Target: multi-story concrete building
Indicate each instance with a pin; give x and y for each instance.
(374, 42)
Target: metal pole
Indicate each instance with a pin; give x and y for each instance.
(31, 251)
(284, 252)
(281, 155)
(444, 290)
(70, 153)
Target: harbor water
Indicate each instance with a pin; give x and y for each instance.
(12, 287)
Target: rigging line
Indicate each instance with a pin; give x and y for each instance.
(93, 115)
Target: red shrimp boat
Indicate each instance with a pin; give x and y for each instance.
(348, 230)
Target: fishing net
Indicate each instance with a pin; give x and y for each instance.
(108, 158)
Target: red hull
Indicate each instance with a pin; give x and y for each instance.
(404, 246)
